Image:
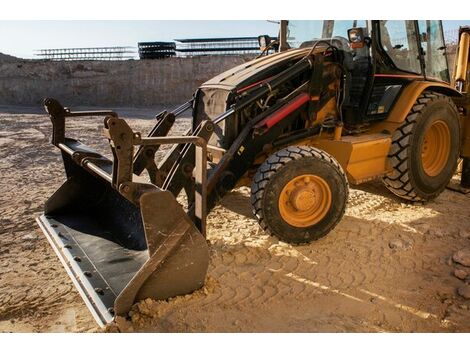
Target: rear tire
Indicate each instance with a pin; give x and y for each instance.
(299, 194)
(425, 149)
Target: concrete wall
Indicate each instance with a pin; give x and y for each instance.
(109, 83)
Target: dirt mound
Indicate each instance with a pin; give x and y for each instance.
(8, 58)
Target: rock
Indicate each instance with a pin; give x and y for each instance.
(29, 237)
(399, 244)
(464, 291)
(425, 228)
(462, 257)
(396, 244)
(464, 233)
(460, 274)
(437, 232)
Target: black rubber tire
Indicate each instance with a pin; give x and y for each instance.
(277, 171)
(408, 179)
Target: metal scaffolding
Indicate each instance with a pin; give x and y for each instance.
(101, 53)
(156, 50)
(217, 46)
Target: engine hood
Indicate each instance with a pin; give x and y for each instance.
(254, 71)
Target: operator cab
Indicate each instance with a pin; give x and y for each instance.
(379, 58)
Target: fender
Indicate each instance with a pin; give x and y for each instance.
(411, 92)
(406, 100)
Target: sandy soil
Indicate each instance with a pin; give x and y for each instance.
(386, 267)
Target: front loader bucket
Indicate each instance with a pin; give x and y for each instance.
(115, 250)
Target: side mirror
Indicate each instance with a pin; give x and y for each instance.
(356, 38)
(264, 41)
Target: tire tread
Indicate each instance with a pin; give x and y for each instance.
(275, 162)
(399, 180)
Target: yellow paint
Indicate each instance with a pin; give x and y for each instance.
(338, 132)
(363, 157)
(436, 148)
(305, 200)
(407, 99)
(329, 109)
(461, 63)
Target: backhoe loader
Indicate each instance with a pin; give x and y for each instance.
(338, 103)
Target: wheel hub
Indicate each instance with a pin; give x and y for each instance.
(305, 200)
(302, 198)
(436, 147)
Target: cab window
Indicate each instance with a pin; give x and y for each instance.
(341, 27)
(399, 40)
(434, 49)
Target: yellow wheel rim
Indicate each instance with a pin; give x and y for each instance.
(436, 148)
(304, 200)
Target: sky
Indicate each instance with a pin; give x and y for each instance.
(22, 38)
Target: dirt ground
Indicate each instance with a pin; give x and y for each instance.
(386, 267)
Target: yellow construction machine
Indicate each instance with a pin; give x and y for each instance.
(338, 103)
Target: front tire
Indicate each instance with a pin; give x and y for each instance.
(425, 149)
(299, 194)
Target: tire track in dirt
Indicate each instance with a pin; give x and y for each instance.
(356, 256)
(255, 283)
